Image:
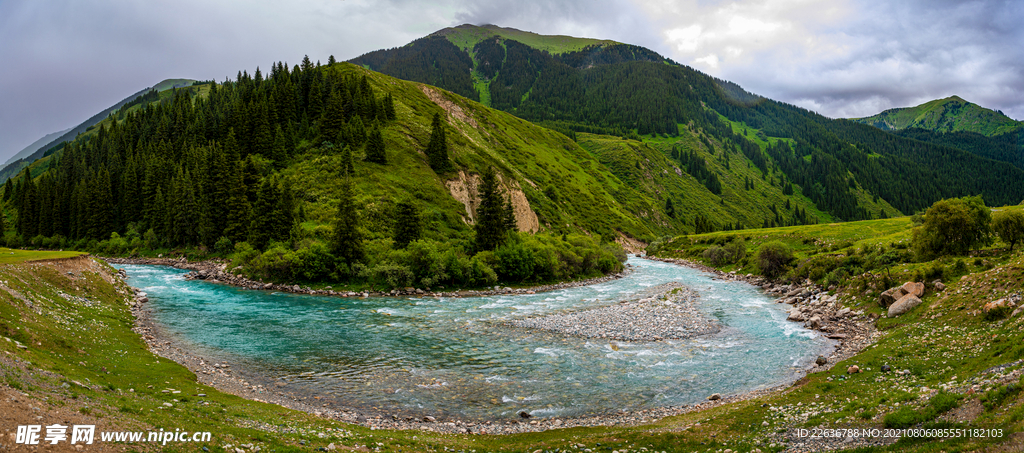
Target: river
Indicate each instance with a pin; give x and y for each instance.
(451, 356)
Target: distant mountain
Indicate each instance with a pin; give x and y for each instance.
(28, 150)
(15, 165)
(952, 114)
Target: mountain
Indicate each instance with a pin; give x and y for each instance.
(848, 170)
(15, 165)
(952, 114)
(35, 146)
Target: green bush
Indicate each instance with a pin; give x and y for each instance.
(515, 261)
(313, 263)
(773, 258)
(715, 255)
(223, 245)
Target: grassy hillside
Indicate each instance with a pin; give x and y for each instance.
(467, 36)
(952, 114)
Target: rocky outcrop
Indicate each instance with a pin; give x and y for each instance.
(464, 189)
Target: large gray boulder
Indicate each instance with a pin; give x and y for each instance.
(903, 305)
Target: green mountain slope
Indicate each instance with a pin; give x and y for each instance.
(952, 114)
(14, 166)
(617, 89)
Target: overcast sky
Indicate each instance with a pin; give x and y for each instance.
(64, 61)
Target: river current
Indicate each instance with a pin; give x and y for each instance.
(451, 356)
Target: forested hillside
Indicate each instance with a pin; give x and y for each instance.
(618, 89)
(952, 114)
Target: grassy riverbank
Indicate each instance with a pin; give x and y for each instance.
(73, 358)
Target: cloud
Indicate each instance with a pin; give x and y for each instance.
(852, 57)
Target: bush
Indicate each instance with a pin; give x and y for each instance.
(715, 255)
(223, 245)
(515, 261)
(313, 263)
(773, 258)
(952, 227)
(388, 274)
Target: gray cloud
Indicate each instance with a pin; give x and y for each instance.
(65, 61)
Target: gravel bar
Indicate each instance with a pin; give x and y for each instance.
(665, 312)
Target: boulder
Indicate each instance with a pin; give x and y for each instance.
(853, 369)
(889, 296)
(915, 288)
(998, 303)
(796, 315)
(903, 305)
(714, 397)
(814, 322)
(938, 285)
(821, 361)
(886, 368)
(843, 312)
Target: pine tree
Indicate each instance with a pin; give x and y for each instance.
(265, 214)
(333, 120)
(407, 226)
(375, 147)
(670, 210)
(491, 226)
(8, 189)
(347, 242)
(437, 148)
(509, 216)
(389, 107)
(347, 168)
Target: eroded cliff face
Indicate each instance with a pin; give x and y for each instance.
(465, 190)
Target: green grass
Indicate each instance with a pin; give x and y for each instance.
(467, 36)
(15, 256)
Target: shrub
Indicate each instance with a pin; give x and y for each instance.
(515, 261)
(223, 245)
(773, 258)
(313, 263)
(952, 227)
(715, 255)
(389, 274)
(736, 250)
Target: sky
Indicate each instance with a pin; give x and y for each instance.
(64, 60)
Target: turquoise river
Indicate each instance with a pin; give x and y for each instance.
(451, 356)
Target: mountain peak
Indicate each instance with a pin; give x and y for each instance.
(951, 114)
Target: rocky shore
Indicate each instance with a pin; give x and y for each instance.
(814, 307)
(215, 271)
(667, 312)
(664, 312)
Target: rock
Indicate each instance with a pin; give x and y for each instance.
(429, 419)
(915, 288)
(714, 397)
(524, 414)
(814, 322)
(843, 312)
(997, 304)
(821, 361)
(903, 305)
(853, 369)
(888, 297)
(886, 368)
(938, 285)
(796, 315)
(1017, 311)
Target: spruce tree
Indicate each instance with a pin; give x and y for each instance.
(437, 148)
(347, 242)
(389, 107)
(375, 147)
(347, 168)
(509, 216)
(265, 212)
(669, 208)
(407, 226)
(491, 214)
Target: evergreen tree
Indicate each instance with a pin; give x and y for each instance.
(333, 120)
(670, 210)
(347, 242)
(509, 218)
(347, 167)
(375, 147)
(266, 213)
(491, 225)
(389, 108)
(8, 189)
(437, 148)
(407, 225)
